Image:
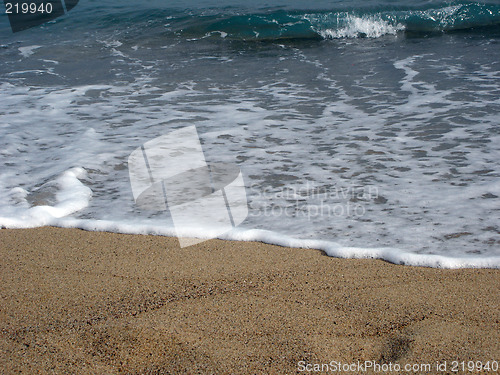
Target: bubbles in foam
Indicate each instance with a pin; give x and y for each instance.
(71, 196)
(362, 26)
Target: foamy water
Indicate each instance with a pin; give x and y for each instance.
(381, 147)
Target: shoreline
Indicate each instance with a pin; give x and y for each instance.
(102, 302)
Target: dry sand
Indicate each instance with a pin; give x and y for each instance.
(81, 302)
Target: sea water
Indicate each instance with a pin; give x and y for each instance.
(367, 129)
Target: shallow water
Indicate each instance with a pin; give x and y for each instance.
(368, 131)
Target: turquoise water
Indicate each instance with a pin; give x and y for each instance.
(281, 20)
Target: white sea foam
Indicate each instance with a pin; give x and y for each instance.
(27, 51)
(352, 26)
(71, 196)
(426, 190)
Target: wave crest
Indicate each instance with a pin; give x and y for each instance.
(351, 26)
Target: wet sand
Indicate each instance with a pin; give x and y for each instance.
(86, 302)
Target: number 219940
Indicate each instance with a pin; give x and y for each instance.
(28, 8)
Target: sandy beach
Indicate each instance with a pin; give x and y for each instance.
(85, 302)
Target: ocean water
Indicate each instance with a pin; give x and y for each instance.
(366, 129)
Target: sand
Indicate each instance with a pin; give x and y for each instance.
(77, 302)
